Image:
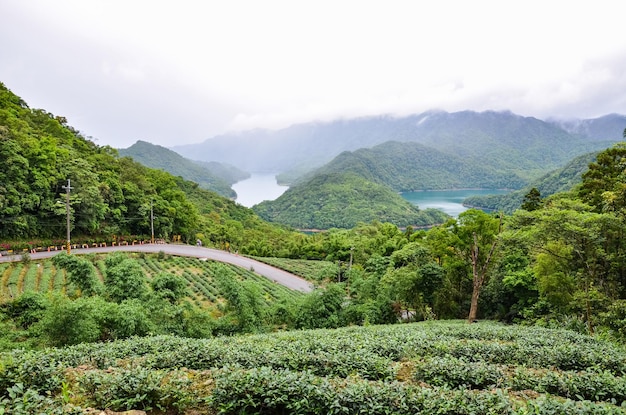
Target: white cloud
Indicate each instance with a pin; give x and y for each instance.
(183, 71)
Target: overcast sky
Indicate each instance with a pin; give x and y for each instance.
(174, 72)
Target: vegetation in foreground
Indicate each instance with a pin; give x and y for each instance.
(426, 368)
(73, 299)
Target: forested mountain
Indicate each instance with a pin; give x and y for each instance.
(526, 146)
(559, 180)
(607, 128)
(110, 196)
(212, 176)
(411, 166)
(342, 200)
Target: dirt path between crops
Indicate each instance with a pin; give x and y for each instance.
(277, 275)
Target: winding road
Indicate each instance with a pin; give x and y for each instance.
(277, 275)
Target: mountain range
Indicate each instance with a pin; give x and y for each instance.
(347, 171)
(410, 166)
(526, 146)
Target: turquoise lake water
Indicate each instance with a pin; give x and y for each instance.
(450, 201)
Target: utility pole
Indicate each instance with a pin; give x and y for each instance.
(151, 223)
(67, 210)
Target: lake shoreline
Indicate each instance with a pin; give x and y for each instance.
(449, 201)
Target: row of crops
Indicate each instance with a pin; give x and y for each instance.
(307, 269)
(17, 278)
(426, 368)
(42, 276)
(201, 277)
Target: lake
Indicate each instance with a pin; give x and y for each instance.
(257, 188)
(450, 201)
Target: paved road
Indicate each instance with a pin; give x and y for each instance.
(282, 277)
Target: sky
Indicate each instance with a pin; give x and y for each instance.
(179, 72)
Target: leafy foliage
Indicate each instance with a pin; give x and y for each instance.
(109, 196)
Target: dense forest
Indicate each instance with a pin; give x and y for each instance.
(363, 185)
(406, 167)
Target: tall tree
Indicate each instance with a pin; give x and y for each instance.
(604, 184)
(577, 255)
(474, 240)
(532, 200)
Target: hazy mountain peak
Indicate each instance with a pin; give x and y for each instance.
(499, 135)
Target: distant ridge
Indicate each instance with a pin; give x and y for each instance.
(526, 146)
(607, 128)
(211, 176)
(410, 166)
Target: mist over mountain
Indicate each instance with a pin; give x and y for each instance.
(607, 128)
(503, 139)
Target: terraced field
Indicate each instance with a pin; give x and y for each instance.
(42, 276)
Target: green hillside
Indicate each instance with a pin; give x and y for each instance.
(411, 166)
(211, 176)
(111, 196)
(503, 141)
(560, 180)
(342, 200)
(363, 185)
(227, 172)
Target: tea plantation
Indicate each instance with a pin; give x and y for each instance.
(43, 276)
(420, 368)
